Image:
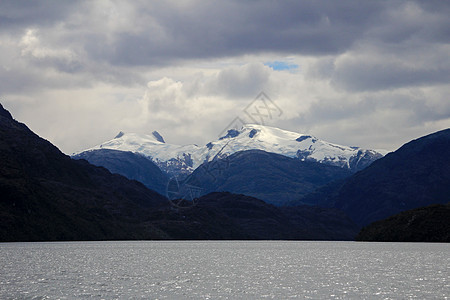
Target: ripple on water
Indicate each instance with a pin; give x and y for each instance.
(235, 270)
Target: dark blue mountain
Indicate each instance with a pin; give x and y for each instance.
(274, 178)
(416, 175)
(131, 165)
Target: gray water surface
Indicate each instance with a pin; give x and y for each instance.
(224, 270)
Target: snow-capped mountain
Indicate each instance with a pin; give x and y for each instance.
(170, 158)
(291, 144)
(183, 159)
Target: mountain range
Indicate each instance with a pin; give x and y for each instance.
(184, 159)
(293, 165)
(47, 196)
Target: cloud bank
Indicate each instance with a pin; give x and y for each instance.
(374, 74)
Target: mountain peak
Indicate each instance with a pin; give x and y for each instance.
(158, 137)
(230, 134)
(119, 135)
(185, 158)
(5, 113)
(313, 139)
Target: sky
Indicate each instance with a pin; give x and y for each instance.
(374, 74)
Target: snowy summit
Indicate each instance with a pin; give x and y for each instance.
(183, 159)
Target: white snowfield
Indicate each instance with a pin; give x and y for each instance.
(249, 137)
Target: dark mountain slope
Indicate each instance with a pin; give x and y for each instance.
(425, 224)
(231, 216)
(417, 174)
(274, 178)
(45, 195)
(131, 165)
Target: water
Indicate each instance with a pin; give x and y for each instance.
(224, 270)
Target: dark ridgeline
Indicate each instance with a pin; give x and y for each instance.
(46, 195)
(416, 175)
(425, 224)
(233, 216)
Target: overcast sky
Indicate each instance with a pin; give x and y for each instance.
(373, 74)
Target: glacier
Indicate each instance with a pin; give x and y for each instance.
(184, 159)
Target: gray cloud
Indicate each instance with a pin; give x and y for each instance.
(161, 32)
(16, 15)
(370, 73)
(217, 29)
(364, 75)
(233, 82)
